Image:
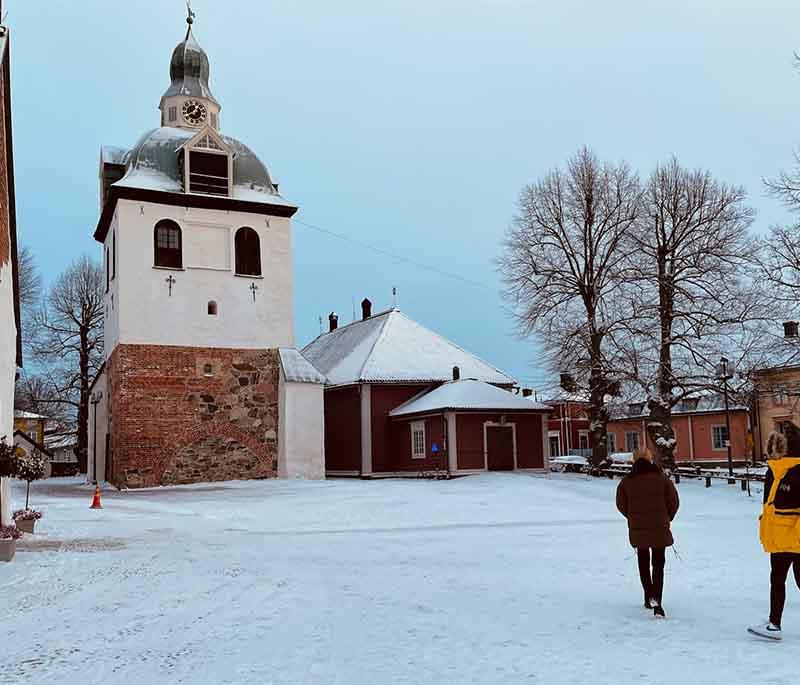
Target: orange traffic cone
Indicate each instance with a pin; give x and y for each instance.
(96, 501)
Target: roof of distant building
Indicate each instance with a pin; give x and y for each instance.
(708, 403)
(468, 395)
(390, 347)
(20, 414)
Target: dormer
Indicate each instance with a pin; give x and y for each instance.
(207, 164)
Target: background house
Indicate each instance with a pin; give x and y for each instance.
(384, 416)
(699, 425)
(568, 427)
(32, 424)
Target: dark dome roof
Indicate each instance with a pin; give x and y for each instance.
(153, 164)
(189, 70)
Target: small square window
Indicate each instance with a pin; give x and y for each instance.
(631, 442)
(173, 114)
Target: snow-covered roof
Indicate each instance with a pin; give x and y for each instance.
(467, 394)
(297, 369)
(20, 414)
(700, 404)
(57, 442)
(392, 348)
(153, 164)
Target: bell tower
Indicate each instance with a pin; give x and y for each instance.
(188, 102)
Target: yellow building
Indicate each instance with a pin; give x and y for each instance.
(31, 424)
(777, 402)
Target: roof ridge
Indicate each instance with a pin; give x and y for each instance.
(350, 325)
(458, 347)
(378, 338)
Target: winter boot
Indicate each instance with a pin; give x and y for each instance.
(658, 611)
(768, 631)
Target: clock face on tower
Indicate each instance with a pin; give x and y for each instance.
(194, 112)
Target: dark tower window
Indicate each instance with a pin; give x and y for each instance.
(208, 173)
(167, 237)
(248, 252)
(212, 308)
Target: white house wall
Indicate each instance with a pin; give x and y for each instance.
(99, 429)
(301, 437)
(8, 371)
(147, 314)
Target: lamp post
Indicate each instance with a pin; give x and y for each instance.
(725, 374)
(96, 397)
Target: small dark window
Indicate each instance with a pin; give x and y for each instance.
(167, 237)
(108, 267)
(248, 252)
(208, 370)
(208, 173)
(173, 114)
(212, 308)
(113, 255)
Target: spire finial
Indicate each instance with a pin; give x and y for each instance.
(189, 18)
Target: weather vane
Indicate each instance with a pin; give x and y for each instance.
(190, 18)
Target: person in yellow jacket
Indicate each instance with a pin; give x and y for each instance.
(780, 524)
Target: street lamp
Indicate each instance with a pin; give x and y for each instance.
(724, 373)
(96, 398)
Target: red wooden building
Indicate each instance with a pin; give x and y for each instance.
(698, 422)
(392, 406)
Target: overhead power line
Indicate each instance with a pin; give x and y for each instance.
(394, 255)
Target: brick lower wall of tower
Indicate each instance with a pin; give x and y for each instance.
(188, 415)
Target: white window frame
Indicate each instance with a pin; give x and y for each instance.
(550, 435)
(418, 427)
(720, 426)
(638, 440)
(583, 434)
(611, 442)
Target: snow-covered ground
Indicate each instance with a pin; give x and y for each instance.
(504, 578)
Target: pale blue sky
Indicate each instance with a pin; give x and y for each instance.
(410, 125)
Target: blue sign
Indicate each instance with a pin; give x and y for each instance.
(434, 448)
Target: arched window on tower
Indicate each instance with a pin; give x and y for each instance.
(248, 252)
(168, 245)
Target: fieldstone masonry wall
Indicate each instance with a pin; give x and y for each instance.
(187, 415)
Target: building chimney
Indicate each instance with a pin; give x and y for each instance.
(366, 309)
(790, 329)
(456, 373)
(527, 392)
(333, 320)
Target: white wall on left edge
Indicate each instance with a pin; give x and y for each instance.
(8, 371)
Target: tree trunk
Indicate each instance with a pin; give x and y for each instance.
(27, 494)
(598, 413)
(83, 407)
(659, 423)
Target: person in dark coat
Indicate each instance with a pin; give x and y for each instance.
(649, 500)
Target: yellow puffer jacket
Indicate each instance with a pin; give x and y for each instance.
(780, 525)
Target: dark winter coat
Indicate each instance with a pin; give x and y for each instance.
(649, 500)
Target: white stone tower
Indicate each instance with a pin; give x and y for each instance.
(201, 371)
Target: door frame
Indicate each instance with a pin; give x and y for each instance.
(498, 424)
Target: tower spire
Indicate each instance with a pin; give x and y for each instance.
(189, 18)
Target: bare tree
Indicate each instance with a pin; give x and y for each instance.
(68, 342)
(690, 280)
(562, 266)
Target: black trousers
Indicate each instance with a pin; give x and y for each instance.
(781, 562)
(653, 585)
